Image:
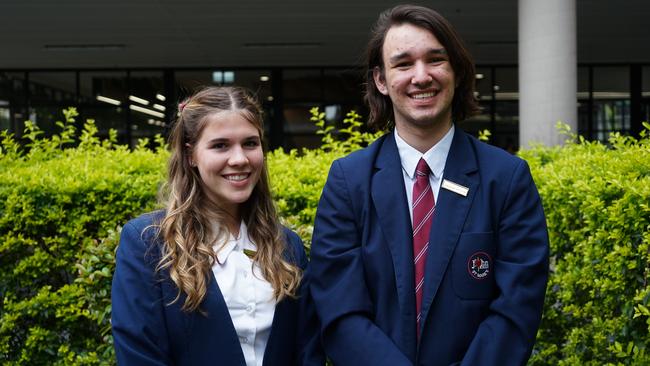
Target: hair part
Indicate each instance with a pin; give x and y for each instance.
(193, 224)
(464, 103)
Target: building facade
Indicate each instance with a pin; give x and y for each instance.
(127, 66)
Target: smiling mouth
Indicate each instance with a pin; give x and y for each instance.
(424, 95)
(237, 177)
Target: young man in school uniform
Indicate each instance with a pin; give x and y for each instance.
(429, 247)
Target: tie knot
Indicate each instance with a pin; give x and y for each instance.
(422, 168)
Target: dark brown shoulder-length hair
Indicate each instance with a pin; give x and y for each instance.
(193, 225)
(464, 104)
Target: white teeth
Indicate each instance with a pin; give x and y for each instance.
(236, 177)
(423, 95)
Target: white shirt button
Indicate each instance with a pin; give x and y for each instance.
(250, 308)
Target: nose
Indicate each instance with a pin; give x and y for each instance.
(237, 157)
(421, 75)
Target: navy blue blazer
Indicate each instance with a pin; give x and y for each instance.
(147, 331)
(486, 268)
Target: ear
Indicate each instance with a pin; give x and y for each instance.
(380, 81)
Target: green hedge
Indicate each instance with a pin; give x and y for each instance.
(54, 203)
(597, 203)
(61, 207)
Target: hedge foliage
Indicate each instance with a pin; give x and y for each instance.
(63, 199)
(55, 202)
(597, 203)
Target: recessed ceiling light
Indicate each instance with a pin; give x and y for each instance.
(108, 100)
(133, 98)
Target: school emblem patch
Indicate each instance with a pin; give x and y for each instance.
(479, 265)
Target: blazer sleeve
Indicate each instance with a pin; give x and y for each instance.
(338, 284)
(308, 343)
(139, 332)
(507, 335)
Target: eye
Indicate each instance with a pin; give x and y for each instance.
(437, 60)
(251, 143)
(219, 145)
(402, 65)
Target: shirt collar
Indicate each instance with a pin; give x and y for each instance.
(436, 156)
(234, 244)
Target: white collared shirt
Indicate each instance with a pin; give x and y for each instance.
(436, 157)
(248, 295)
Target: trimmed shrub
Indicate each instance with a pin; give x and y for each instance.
(61, 207)
(597, 203)
(54, 275)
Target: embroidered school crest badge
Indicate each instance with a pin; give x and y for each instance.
(479, 265)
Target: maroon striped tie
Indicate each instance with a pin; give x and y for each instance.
(423, 208)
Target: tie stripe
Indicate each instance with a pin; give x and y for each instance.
(419, 199)
(419, 285)
(425, 221)
(422, 253)
(423, 209)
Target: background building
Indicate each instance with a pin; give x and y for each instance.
(128, 63)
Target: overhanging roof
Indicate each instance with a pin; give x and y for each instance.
(193, 33)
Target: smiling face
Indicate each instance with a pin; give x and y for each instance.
(229, 158)
(417, 77)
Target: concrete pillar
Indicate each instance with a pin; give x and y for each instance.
(547, 70)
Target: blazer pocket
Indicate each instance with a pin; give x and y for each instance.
(473, 266)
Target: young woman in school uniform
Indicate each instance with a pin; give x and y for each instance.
(214, 279)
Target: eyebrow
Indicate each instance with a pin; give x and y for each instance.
(222, 139)
(402, 55)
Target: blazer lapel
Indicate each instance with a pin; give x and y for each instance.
(214, 333)
(451, 210)
(389, 198)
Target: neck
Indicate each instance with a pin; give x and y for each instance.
(422, 138)
(229, 214)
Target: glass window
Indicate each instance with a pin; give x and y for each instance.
(343, 86)
(13, 99)
(302, 86)
(583, 101)
(506, 114)
(50, 94)
(104, 97)
(5, 117)
(187, 82)
(299, 130)
(258, 81)
(343, 92)
(58, 88)
(302, 90)
(6, 91)
(645, 94)
(147, 104)
(483, 120)
(611, 100)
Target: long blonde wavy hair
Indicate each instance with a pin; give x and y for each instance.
(188, 229)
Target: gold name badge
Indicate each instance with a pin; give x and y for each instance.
(455, 187)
